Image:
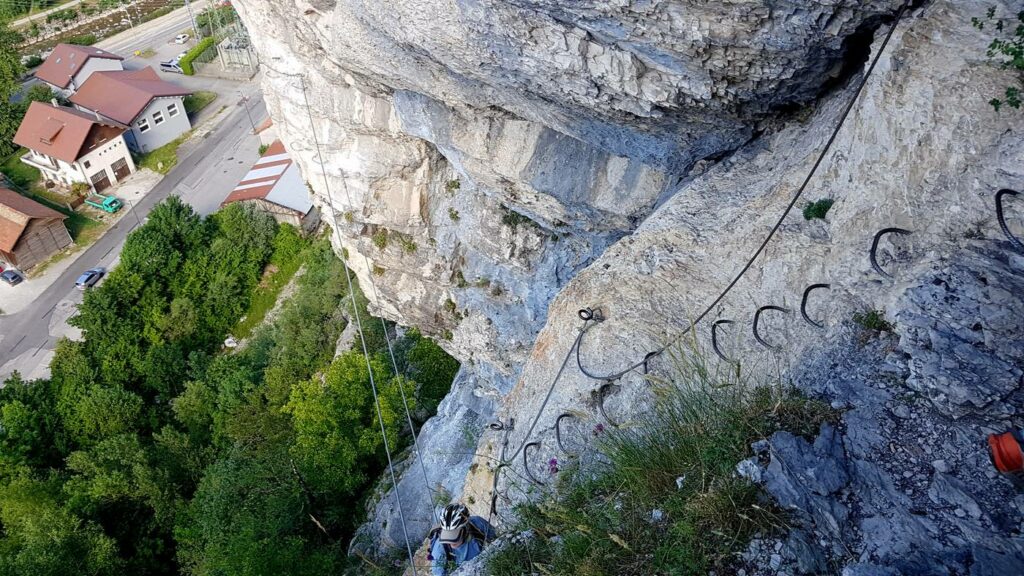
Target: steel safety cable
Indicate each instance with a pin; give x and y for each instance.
(387, 336)
(778, 224)
(362, 335)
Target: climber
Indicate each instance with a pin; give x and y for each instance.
(458, 539)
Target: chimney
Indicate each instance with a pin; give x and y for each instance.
(97, 114)
(54, 102)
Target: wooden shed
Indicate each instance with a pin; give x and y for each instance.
(29, 232)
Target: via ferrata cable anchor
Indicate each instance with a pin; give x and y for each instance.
(591, 314)
(874, 247)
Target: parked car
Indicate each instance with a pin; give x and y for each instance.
(181, 38)
(89, 278)
(11, 277)
(171, 66)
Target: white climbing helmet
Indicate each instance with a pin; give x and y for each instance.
(453, 520)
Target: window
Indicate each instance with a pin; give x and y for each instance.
(158, 117)
(143, 125)
(88, 164)
(172, 110)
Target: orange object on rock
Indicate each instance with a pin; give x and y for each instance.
(1007, 453)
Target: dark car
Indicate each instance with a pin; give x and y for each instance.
(89, 278)
(11, 277)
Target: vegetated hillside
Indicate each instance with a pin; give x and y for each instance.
(151, 450)
(501, 164)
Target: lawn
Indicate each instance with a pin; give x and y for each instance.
(163, 158)
(196, 101)
(20, 174)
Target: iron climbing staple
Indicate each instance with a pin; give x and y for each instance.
(874, 247)
(803, 304)
(1002, 220)
(526, 464)
(714, 339)
(757, 320)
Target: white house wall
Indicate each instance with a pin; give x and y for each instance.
(61, 172)
(160, 134)
(103, 159)
(99, 160)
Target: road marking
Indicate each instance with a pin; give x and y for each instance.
(40, 347)
(16, 344)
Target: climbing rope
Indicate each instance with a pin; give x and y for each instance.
(778, 224)
(362, 335)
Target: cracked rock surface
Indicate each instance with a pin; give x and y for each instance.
(496, 165)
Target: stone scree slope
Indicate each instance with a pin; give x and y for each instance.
(497, 165)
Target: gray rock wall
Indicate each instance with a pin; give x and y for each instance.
(527, 158)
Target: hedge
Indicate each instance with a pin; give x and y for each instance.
(186, 61)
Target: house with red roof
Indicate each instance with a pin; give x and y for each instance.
(275, 186)
(29, 231)
(70, 146)
(68, 66)
(152, 109)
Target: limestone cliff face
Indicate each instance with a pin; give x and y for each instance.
(444, 120)
(495, 165)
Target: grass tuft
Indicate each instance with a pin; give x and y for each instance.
(818, 209)
(701, 425)
(407, 243)
(380, 238)
(873, 320)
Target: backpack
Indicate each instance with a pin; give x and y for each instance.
(477, 529)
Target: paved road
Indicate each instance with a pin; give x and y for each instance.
(148, 34)
(153, 34)
(203, 178)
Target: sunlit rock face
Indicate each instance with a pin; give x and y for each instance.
(493, 166)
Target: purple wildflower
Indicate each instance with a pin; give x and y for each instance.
(553, 466)
(598, 429)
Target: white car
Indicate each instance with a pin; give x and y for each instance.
(181, 38)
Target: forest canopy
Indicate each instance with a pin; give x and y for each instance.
(152, 449)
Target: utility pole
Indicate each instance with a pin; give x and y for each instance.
(245, 102)
(136, 214)
(195, 29)
(129, 15)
